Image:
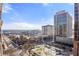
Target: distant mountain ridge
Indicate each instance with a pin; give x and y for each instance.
(20, 31)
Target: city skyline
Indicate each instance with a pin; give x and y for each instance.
(32, 15)
(39, 29)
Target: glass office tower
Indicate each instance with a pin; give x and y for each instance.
(63, 27)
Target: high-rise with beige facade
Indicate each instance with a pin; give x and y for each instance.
(63, 26)
(48, 30)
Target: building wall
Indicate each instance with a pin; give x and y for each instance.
(0, 19)
(0, 7)
(60, 24)
(76, 30)
(48, 30)
(64, 40)
(76, 21)
(0, 10)
(70, 27)
(0, 30)
(63, 27)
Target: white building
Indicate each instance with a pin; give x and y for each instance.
(63, 24)
(48, 30)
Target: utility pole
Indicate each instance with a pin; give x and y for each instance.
(1, 47)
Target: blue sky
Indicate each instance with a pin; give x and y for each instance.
(24, 16)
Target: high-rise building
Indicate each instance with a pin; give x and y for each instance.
(1, 52)
(63, 26)
(76, 30)
(48, 30)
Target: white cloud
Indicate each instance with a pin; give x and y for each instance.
(20, 26)
(6, 8)
(16, 24)
(27, 26)
(45, 4)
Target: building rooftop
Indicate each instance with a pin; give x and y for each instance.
(60, 12)
(47, 25)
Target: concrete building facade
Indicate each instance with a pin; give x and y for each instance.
(63, 24)
(1, 52)
(48, 30)
(76, 30)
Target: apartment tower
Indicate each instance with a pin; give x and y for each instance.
(63, 27)
(48, 30)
